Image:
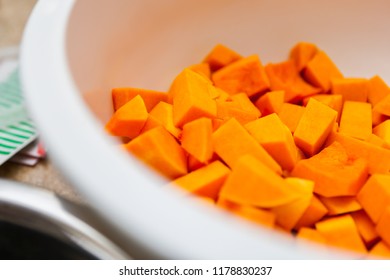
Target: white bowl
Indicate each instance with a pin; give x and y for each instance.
(74, 52)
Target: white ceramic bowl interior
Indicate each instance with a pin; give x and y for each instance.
(74, 52)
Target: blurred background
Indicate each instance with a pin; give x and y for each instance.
(13, 17)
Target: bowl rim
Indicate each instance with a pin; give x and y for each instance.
(44, 67)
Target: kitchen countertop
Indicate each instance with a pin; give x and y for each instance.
(13, 17)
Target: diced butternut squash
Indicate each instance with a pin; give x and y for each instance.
(383, 131)
(314, 127)
(356, 120)
(202, 69)
(243, 101)
(205, 181)
(378, 118)
(256, 215)
(196, 139)
(375, 196)
(352, 89)
(191, 98)
(289, 214)
(333, 101)
(162, 114)
(240, 143)
(193, 164)
(320, 70)
(253, 183)
(302, 53)
(120, 96)
(271, 102)
(341, 231)
(365, 226)
(221, 56)
(341, 205)
(159, 149)
(285, 76)
(311, 234)
(129, 119)
(293, 145)
(314, 213)
(380, 250)
(378, 90)
(290, 115)
(246, 75)
(334, 173)
(276, 139)
(378, 158)
(229, 109)
(383, 225)
(383, 106)
(378, 141)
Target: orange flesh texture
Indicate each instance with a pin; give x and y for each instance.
(314, 127)
(290, 115)
(356, 120)
(352, 89)
(285, 76)
(159, 149)
(246, 75)
(276, 139)
(191, 98)
(271, 102)
(206, 181)
(302, 53)
(120, 96)
(196, 139)
(333, 172)
(321, 70)
(240, 143)
(253, 183)
(128, 120)
(341, 231)
(221, 56)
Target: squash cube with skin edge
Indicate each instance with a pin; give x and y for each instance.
(246, 75)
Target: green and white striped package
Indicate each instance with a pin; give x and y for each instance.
(16, 129)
